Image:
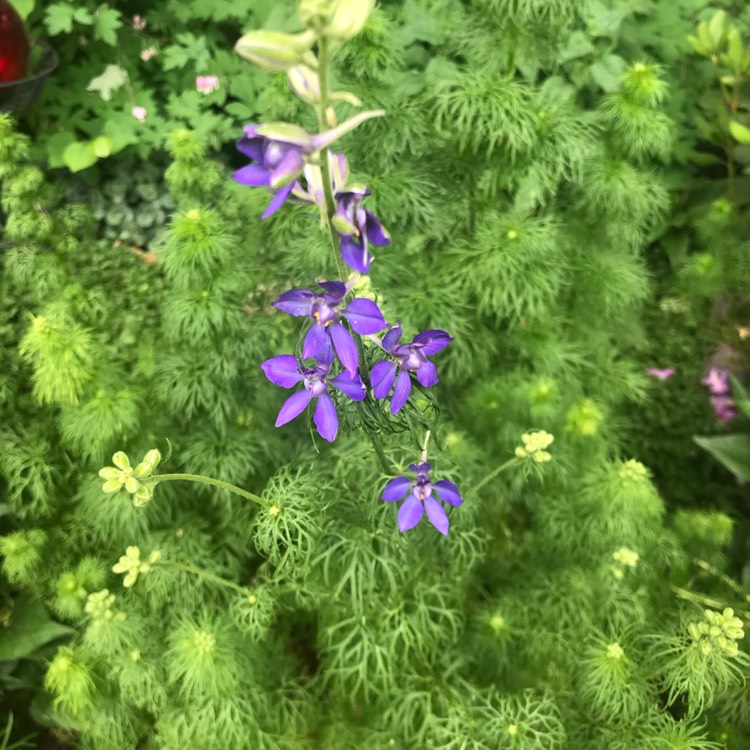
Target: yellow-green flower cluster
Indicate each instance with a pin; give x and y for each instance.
(137, 481)
(100, 605)
(535, 445)
(625, 558)
(633, 471)
(132, 566)
(718, 631)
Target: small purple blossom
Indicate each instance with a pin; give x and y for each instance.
(717, 381)
(358, 228)
(724, 407)
(661, 374)
(285, 370)
(423, 496)
(408, 358)
(328, 332)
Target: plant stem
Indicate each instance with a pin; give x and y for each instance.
(204, 574)
(325, 167)
(379, 452)
(511, 462)
(424, 446)
(214, 482)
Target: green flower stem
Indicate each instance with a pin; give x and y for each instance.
(511, 462)
(214, 482)
(380, 453)
(325, 167)
(218, 580)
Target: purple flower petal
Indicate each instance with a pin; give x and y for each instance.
(251, 146)
(427, 374)
(448, 492)
(392, 337)
(355, 255)
(283, 370)
(335, 290)
(253, 175)
(365, 316)
(437, 515)
(293, 407)
(326, 419)
(287, 169)
(296, 302)
(278, 201)
(345, 347)
(433, 341)
(396, 489)
(317, 344)
(400, 392)
(717, 381)
(382, 377)
(351, 386)
(374, 230)
(410, 513)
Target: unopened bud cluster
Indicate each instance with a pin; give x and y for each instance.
(535, 445)
(717, 631)
(100, 605)
(633, 471)
(137, 481)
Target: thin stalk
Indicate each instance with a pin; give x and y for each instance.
(379, 452)
(325, 167)
(204, 574)
(215, 483)
(424, 446)
(511, 462)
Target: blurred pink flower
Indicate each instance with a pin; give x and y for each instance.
(661, 374)
(723, 407)
(139, 24)
(148, 53)
(717, 381)
(139, 113)
(207, 84)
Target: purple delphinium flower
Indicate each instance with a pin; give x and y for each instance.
(327, 331)
(409, 358)
(717, 381)
(358, 228)
(424, 496)
(280, 159)
(661, 374)
(284, 370)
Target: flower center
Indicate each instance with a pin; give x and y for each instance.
(323, 313)
(315, 382)
(274, 153)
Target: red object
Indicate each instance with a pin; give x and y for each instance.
(14, 44)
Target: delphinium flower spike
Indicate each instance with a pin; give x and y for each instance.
(286, 371)
(363, 315)
(407, 358)
(422, 496)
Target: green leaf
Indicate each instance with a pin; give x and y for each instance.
(102, 146)
(739, 132)
(56, 145)
(579, 45)
(59, 19)
(608, 72)
(30, 628)
(82, 15)
(24, 7)
(79, 155)
(106, 25)
(120, 128)
(732, 451)
(113, 78)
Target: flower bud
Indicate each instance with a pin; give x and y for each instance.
(305, 83)
(274, 50)
(348, 17)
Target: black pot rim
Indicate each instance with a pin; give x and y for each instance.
(51, 63)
